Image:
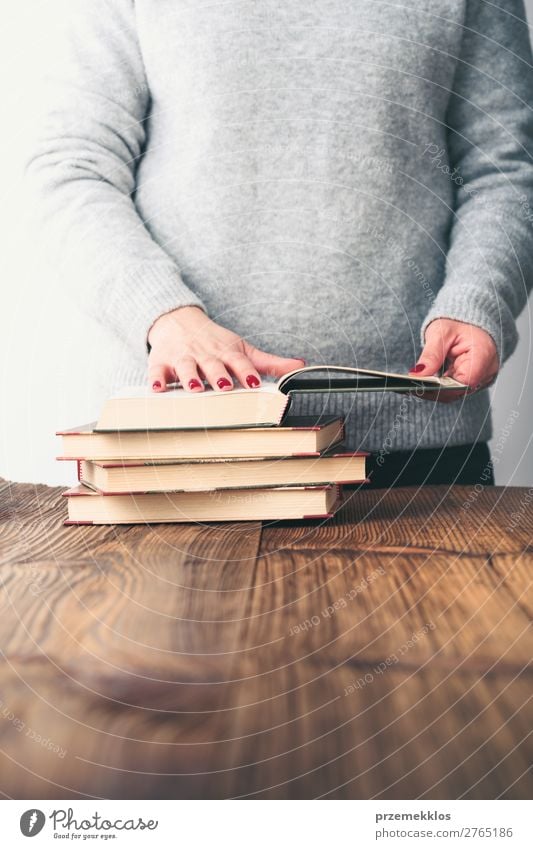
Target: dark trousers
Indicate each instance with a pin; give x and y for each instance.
(463, 464)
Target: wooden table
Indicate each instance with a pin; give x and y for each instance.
(384, 654)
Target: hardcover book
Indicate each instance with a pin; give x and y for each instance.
(297, 435)
(86, 506)
(138, 408)
(337, 465)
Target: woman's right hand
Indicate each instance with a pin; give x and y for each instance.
(188, 347)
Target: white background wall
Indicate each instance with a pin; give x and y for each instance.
(37, 385)
(514, 391)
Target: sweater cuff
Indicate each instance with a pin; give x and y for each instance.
(147, 293)
(476, 306)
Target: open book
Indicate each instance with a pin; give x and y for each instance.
(138, 408)
(327, 379)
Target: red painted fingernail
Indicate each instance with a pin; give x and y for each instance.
(252, 381)
(222, 382)
(194, 384)
(417, 368)
(156, 384)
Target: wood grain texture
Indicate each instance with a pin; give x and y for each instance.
(384, 654)
(454, 611)
(303, 733)
(458, 519)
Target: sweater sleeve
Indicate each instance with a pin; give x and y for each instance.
(489, 267)
(81, 174)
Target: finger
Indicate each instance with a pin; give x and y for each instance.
(435, 351)
(244, 370)
(271, 364)
(470, 369)
(216, 373)
(187, 374)
(489, 380)
(479, 386)
(449, 397)
(159, 376)
(443, 396)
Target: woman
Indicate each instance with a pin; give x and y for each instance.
(236, 187)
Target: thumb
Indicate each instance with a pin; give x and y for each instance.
(433, 354)
(271, 364)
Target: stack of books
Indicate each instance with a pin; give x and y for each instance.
(211, 456)
(217, 456)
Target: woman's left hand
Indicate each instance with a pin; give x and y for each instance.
(467, 352)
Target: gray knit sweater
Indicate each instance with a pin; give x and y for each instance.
(324, 177)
